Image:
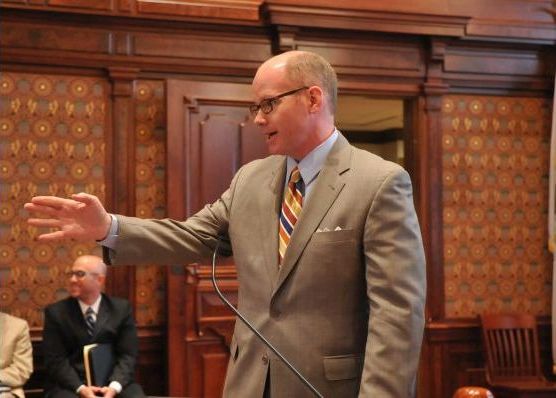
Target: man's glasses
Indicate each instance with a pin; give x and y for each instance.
(267, 105)
(79, 274)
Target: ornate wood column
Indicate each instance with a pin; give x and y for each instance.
(429, 202)
(120, 153)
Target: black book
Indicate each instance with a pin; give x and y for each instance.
(99, 363)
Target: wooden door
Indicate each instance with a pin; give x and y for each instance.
(210, 135)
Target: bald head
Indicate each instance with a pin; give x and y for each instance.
(295, 97)
(303, 68)
(87, 278)
(91, 263)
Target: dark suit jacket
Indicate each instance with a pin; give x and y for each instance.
(65, 334)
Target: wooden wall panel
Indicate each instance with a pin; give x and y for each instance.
(193, 109)
(498, 20)
(208, 126)
(361, 55)
(497, 69)
(245, 10)
(31, 36)
(197, 46)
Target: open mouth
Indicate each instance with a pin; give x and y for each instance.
(271, 134)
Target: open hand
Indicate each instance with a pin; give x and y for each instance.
(82, 217)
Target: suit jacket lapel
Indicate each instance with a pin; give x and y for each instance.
(77, 321)
(102, 316)
(327, 187)
(269, 218)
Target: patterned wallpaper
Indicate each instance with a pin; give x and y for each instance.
(51, 143)
(495, 167)
(150, 137)
(495, 189)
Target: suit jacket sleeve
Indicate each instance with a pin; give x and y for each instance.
(125, 349)
(168, 242)
(18, 370)
(396, 285)
(56, 356)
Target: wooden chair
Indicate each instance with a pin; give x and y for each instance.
(513, 366)
(472, 392)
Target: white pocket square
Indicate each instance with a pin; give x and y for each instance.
(338, 228)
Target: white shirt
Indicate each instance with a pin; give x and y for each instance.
(311, 165)
(95, 306)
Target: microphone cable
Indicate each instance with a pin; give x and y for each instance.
(254, 330)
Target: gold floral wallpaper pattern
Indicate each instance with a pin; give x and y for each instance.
(495, 189)
(150, 176)
(51, 143)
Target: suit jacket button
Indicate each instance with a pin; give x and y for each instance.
(265, 359)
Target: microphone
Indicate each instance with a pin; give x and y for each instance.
(254, 330)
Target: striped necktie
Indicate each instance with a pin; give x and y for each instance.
(291, 209)
(90, 321)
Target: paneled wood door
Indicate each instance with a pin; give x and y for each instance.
(210, 135)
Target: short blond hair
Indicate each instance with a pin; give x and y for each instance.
(310, 69)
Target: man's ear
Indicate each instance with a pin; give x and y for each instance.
(316, 99)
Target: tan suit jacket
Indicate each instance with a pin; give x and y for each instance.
(16, 353)
(347, 305)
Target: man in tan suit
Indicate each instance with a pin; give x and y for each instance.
(16, 355)
(341, 293)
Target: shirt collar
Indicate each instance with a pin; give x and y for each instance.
(312, 163)
(95, 306)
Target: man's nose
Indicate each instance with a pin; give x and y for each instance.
(260, 118)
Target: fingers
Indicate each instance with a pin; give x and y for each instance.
(52, 236)
(44, 222)
(53, 201)
(35, 208)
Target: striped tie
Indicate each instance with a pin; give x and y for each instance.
(90, 321)
(291, 209)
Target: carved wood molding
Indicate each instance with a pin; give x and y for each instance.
(242, 10)
(287, 37)
(122, 79)
(245, 12)
(495, 20)
(379, 21)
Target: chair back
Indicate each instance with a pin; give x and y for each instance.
(511, 347)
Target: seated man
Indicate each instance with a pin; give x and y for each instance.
(16, 355)
(88, 317)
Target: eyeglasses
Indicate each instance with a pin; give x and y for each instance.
(79, 274)
(267, 105)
